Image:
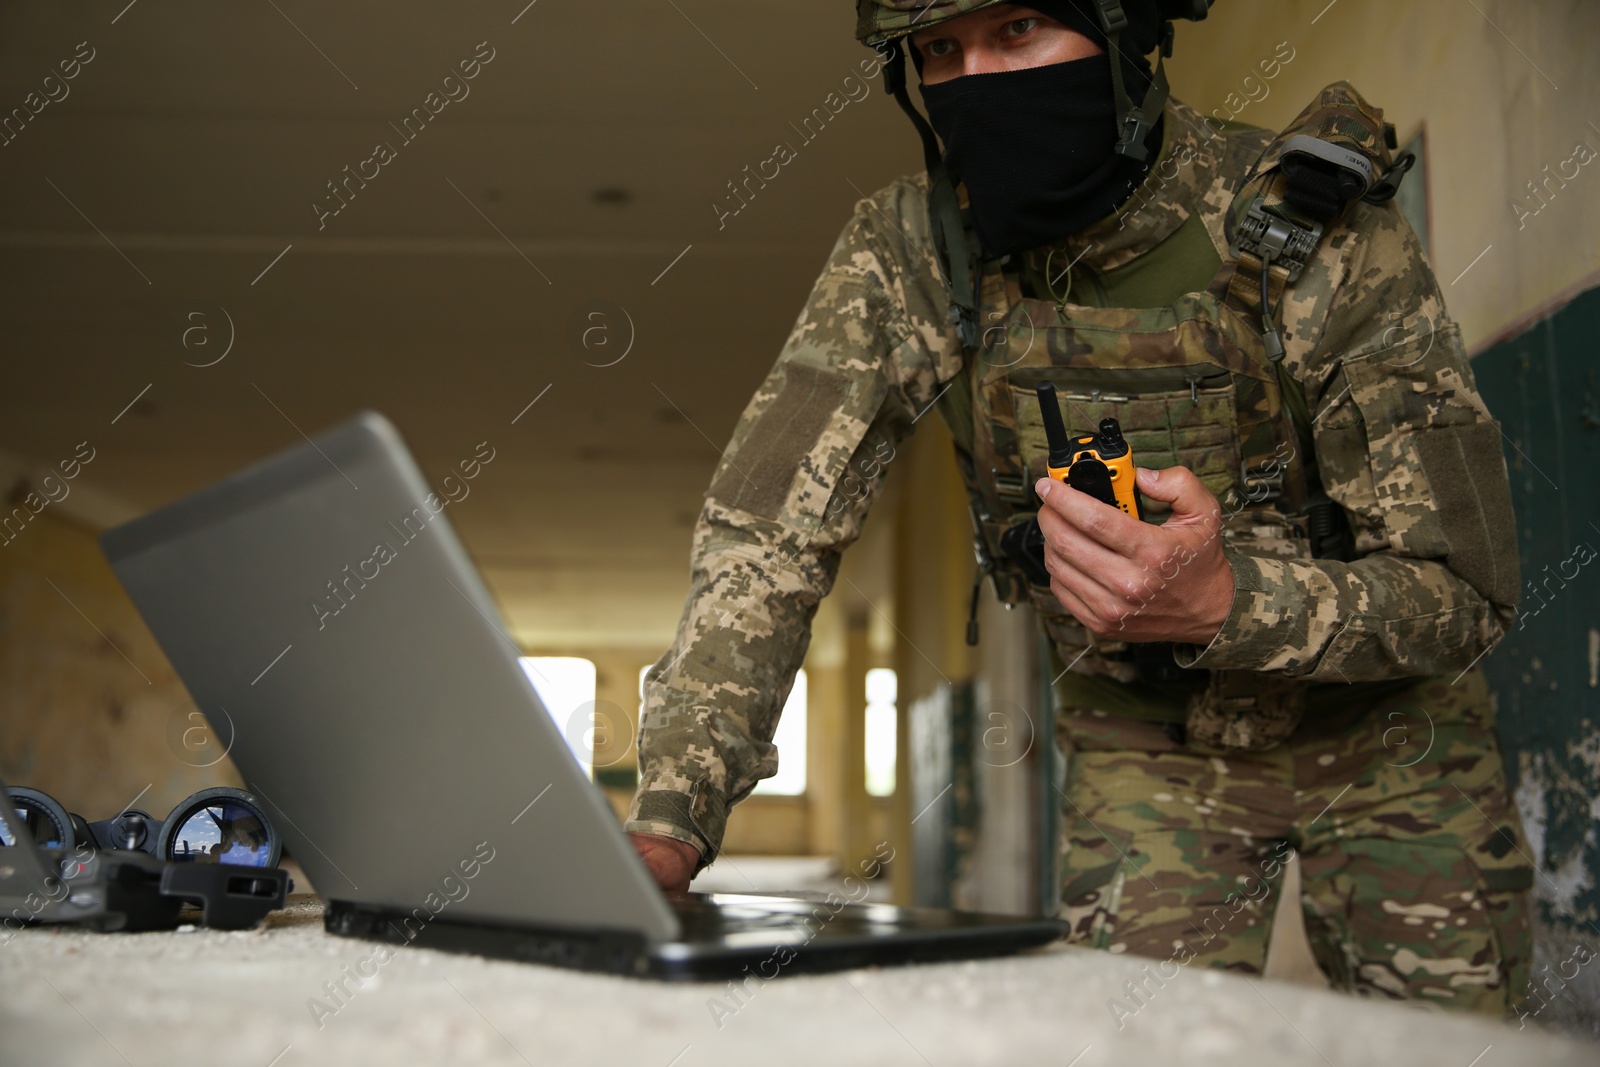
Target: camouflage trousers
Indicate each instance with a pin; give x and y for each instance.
(1414, 865)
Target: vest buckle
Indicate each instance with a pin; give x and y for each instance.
(1274, 239)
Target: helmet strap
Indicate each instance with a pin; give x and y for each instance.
(958, 257)
(1134, 121)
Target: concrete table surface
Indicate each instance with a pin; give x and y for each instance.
(244, 999)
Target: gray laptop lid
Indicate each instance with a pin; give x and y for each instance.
(321, 610)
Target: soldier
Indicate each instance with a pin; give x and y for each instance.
(1284, 658)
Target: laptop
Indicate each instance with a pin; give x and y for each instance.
(325, 617)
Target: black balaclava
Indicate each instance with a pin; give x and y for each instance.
(1035, 147)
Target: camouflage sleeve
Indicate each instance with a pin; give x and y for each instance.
(1406, 446)
(807, 460)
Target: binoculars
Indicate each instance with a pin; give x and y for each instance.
(219, 825)
(215, 852)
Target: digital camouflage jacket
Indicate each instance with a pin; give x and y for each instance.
(1399, 436)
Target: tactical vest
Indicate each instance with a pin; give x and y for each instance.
(1194, 384)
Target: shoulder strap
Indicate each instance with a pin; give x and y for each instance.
(1337, 150)
(955, 408)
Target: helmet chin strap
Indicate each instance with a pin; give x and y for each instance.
(1134, 121)
(958, 258)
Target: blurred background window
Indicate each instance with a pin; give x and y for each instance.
(565, 685)
(882, 692)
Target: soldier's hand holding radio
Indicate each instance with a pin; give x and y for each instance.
(1123, 578)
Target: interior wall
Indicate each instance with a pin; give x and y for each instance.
(1546, 674)
(90, 711)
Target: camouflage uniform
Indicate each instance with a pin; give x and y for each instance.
(1414, 864)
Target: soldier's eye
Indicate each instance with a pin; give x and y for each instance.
(938, 48)
(1019, 27)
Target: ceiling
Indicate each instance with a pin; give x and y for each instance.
(576, 178)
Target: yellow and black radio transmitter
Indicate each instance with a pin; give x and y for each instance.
(1100, 464)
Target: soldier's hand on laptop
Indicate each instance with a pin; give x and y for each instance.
(671, 862)
(1134, 581)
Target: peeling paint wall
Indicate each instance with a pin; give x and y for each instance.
(1544, 387)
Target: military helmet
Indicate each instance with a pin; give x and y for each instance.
(879, 21)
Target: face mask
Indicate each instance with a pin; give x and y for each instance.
(1034, 149)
